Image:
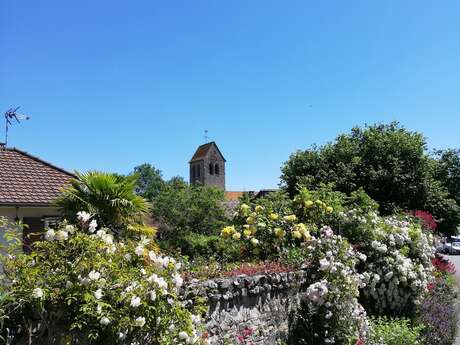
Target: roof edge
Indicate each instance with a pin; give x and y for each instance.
(41, 161)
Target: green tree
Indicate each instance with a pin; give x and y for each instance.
(149, 182)
(182, 208)
(109, 197)
(389, 162)
(448, 171)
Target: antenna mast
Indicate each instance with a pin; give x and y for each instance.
(10, 115)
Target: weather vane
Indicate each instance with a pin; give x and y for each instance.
(11, 115)
(206, 136)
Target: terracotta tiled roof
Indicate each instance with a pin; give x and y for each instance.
(231, 196)
(27, 180)
(202, 150)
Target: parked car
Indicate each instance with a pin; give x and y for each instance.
(449, 245)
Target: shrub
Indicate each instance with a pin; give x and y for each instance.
(398, 265)
(330, 313)
(438, 308)
(181, 208)
(83, 286)
(265, 233)
(386, 331)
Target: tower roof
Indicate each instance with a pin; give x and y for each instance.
(203, 150)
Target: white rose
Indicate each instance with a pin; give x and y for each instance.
(135, 302)
(62, 235)
(140, 321)
(37, 293)
(104, 321)
(92, 226)
(98, 294)
(83, 216)
(50, 235)
(94, 275)
(139, 250)
(183, 335)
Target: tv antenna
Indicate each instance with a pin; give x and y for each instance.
(11, 115)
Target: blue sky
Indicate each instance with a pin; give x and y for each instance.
(112, 84)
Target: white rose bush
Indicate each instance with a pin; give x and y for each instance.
(82, 286)
(398, 266)
(330, 313)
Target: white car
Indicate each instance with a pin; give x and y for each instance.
(449, 245)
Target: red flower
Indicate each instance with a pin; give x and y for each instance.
(360, 342)
(427, 219)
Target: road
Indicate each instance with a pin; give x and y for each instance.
(456, 260)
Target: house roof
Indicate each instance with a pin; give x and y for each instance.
(202, 151)
(28, 180)
(233, 196)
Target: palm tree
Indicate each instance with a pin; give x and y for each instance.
(110, 198)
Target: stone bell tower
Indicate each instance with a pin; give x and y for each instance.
(207, 166)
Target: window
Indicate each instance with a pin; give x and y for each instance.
(216, 169)
(193, 173)
(198, 171)
(211, 169)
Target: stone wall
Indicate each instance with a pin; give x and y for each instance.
(257, 307)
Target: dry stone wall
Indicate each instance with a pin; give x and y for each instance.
(255, 308)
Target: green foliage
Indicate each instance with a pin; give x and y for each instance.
(195, 245)
(110, 197)
(82, 288)
(10, 236)
(149, 181)
(387, 161)
(386, 331)
(181, 208)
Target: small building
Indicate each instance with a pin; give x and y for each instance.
(207, 166)
(29, 187)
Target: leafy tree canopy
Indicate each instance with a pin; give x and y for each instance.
(389, 162)
(149, 182)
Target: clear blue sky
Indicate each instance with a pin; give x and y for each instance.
(112, 84)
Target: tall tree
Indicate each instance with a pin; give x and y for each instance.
(149, 181)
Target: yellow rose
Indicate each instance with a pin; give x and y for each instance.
(255, 241)
(279, 232)
(302, 228)
(329, 209)
(250, 220)
(259, 208)
(244, 207)
(307, 236)
(296, 234)
(273, 216)
(236, 236)
(247, 233)
(290, 218)
(228, 231)
(246, 226)
(319, 202)
(253, 229)
(308, 204)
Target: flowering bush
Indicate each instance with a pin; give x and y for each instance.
(427, 219)
(82, 286)
(330, 313)
(437, 309)
(398, 265)
(264, 233)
